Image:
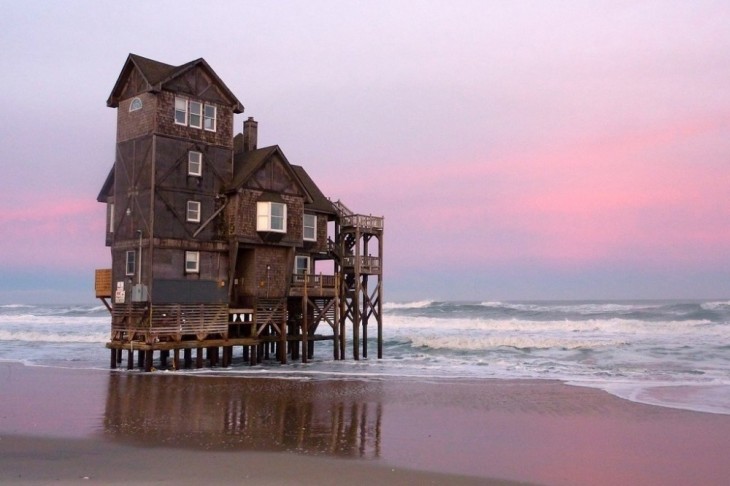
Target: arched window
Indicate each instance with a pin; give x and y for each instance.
(135, 105)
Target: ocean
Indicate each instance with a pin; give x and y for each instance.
(667, 353)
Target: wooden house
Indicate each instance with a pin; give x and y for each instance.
(216, 243)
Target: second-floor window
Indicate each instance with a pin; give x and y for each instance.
(271, 216)
(195, 114)
(310, 227)
(195, 163)
(130, 263)
(193, 212)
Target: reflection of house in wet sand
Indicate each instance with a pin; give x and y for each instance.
(318, 417)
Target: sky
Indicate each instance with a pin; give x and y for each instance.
(521, 150)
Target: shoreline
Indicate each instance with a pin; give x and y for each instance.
(56, 423)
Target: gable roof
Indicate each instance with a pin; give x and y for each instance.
(156, 74)
(246, 164)
(319, 203)
(108, 188)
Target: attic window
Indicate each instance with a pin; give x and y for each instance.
(271, 216)
(135, 105)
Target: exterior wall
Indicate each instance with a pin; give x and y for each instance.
(321, 244)
(175, 188)
(223, 136)
(139, 122)
(241, 219)
(272, 281)
(170, 264)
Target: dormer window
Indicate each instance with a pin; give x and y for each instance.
(195, 163)
(309, 229)
(271, 216)
(193, 212)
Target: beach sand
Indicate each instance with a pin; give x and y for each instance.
(70, 426)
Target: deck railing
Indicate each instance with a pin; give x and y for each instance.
(362, 221)
(313, 281)
(170, 320)
(368, 264)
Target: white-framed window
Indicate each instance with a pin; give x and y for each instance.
(135, 105)
(210, 117)
(310, 227)
(271, 216)
(301, 265)
(196, 114)
(193, 212)
(181, 111)
(192, 262)
(111, 217)
(131, 263)
(195, 163)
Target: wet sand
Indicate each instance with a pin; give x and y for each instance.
(129, 427)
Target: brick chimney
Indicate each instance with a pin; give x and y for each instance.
(250, 134)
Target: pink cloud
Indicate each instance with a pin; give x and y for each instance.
(654, 196)
(65, 232)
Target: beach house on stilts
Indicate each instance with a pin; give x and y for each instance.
(217, 244)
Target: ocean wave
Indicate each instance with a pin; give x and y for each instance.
(571, 307)
(45, 337)
(16, 306)
(719, 305)
(52, 320)
(419, 304)
(478, 343)
(609, 326)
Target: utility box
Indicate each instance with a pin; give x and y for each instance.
(139, 293)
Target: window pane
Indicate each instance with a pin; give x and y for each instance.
(196, 109)
(277, 216)
(193, 211)
(195, 166)
(191, 261)
(310, 227)
(130, 263)
(302, 265)
(181, 111)
(209, 122)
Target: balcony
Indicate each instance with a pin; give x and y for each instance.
(313, 285)
(365, 264)
(368, 223)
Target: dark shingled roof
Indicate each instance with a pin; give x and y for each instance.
(108, 188)
(245, 164)
(157, 73)
(153, 71)
(319, 203)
